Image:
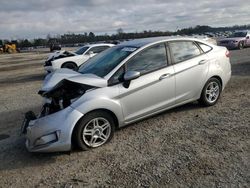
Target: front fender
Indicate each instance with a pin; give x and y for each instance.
(101, 103)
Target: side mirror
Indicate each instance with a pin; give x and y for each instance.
(247, 37)
(130, 75)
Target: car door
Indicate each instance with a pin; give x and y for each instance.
(154, 90)
(191, 69)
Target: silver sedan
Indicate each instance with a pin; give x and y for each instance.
(122, 85)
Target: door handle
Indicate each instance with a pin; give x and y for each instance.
(164, 76)
(202, 62)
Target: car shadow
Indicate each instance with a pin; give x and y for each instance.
(14, 155)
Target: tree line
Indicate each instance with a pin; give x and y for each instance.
(72, 38)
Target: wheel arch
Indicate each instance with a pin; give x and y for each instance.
(109, 112)
(219, 78)
(72, 62)
(215, 76)
(100, 109)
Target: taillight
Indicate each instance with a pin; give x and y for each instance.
(227, 53)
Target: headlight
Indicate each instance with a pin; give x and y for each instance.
(49, 138)
(62, 95)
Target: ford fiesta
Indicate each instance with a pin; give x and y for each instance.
(122, 85)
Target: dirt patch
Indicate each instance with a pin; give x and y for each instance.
(19, 67)
(22, 79)
(241, 69)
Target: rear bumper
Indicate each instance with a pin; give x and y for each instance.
(53, 132)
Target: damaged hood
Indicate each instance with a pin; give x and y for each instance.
(58, 54)
(66, 74)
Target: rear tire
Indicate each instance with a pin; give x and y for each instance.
(211, 92)
(70, 66)
(94, 129)
(241, 45)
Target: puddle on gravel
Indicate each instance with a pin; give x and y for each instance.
(4, 136)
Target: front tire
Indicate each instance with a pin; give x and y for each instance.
(94, 130)
(211, 92)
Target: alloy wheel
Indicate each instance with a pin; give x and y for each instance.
(96, 132)
(212, 92)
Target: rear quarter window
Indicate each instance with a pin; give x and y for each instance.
(205, 48)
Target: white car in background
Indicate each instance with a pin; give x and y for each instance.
(72, 60)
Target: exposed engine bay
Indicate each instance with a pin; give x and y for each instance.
(64, 54)
(62, 95)
(58, 55)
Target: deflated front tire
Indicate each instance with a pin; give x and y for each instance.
(93, 130)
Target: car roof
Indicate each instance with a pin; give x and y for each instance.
(99, 44)
(145, 41)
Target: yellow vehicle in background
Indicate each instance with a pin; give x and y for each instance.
(8, 48)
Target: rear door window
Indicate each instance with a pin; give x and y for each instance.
(183, 50)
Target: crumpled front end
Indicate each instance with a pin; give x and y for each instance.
(58, 55)
(52, 132)
(52, 129)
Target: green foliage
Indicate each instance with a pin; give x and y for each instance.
(71, 38)
(25, 43)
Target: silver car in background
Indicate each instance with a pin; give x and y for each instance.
(122, 85)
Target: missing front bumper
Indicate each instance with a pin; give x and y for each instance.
(27, 118)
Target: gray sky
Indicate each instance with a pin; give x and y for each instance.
(37, 18)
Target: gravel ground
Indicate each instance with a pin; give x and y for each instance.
(189, 146)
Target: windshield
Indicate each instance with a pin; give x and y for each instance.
(238, 34)
(81, 50)
(106, 61)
